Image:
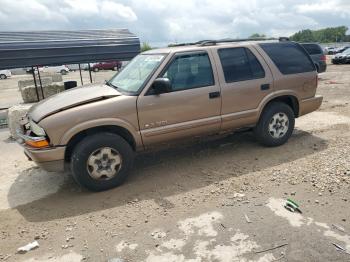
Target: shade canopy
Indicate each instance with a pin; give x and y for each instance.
(32, 48)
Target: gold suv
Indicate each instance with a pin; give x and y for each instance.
(166, 95)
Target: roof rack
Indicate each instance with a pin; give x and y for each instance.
(228, 40)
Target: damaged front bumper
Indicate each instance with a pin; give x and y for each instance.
(49, 158)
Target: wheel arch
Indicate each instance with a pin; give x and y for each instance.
(115, 129)
(289, 99)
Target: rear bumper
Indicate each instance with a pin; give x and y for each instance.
(49, 159)
(309, 105)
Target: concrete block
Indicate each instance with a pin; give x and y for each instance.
(56, 78)
(44, 80)
(14, 116)
(29, 94)
(53, 89)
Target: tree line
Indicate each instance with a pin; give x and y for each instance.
(326, 35)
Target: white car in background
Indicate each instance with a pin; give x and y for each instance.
(5, 74)
(63, 69)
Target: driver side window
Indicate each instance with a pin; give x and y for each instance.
(190, 71)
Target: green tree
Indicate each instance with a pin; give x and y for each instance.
(326, 35)
(145, 46)
(257, 35)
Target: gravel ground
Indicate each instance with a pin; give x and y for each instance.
(216, 200)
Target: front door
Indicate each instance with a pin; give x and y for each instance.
(191, 108)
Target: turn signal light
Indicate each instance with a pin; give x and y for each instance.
(38, 143)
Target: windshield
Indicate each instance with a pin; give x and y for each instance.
(132, 77)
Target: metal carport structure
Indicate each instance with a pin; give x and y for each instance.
(21, 49)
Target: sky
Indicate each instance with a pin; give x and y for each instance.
(160, 22)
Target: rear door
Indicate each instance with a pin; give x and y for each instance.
(245, 80)
(191, 108)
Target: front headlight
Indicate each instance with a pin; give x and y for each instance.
(36, 129)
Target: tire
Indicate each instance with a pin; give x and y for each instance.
(95, 69)
(2, 76)
(115, 68)
(63, 72)
(275, 137)
(84, 152)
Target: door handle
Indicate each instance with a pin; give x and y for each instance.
(214, 95)
(265, 87)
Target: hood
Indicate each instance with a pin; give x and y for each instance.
(71, 98)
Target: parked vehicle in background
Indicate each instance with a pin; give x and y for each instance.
(317, 55)
(337, 50)
(329, 50)
(112, 65)
(63, 69)
(75, 67)
(29, 70)
(342, 58)
(171, 94)
(5, 74)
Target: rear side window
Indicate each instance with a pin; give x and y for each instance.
(313, 49)
(240, 64)
(289, 57)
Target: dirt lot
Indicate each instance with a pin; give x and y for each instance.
(216, 200)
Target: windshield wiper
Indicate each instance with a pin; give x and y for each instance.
(110, 84)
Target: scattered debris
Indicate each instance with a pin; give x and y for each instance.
(116, 260)
(339, 228)
(340, 248)
(247, 218)
(28, 247)
(272, 248)
(292, 206)
(239, 195)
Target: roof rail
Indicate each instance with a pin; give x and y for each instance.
(229, 40)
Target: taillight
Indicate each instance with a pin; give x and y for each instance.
(323, 58)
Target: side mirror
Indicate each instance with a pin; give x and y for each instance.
(161, 85)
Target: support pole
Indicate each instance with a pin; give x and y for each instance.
(41, 85)
(90, 72)
(81, 77)
(36, 86)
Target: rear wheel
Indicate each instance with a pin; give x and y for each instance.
(115, 68)
(63, 72)
(276, 124)
(2, 76)
(96, 69)
(101, 161)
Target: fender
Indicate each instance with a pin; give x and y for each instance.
(275, 95)
(102, 122)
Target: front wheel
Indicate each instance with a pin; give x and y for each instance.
(63, 72)
(101, 161)
(2, 76)
(276, 124)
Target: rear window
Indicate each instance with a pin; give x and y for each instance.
(313, 49)
(290, 58)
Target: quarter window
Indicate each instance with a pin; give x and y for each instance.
(190, 71)
(240, 64)
(289, 57)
